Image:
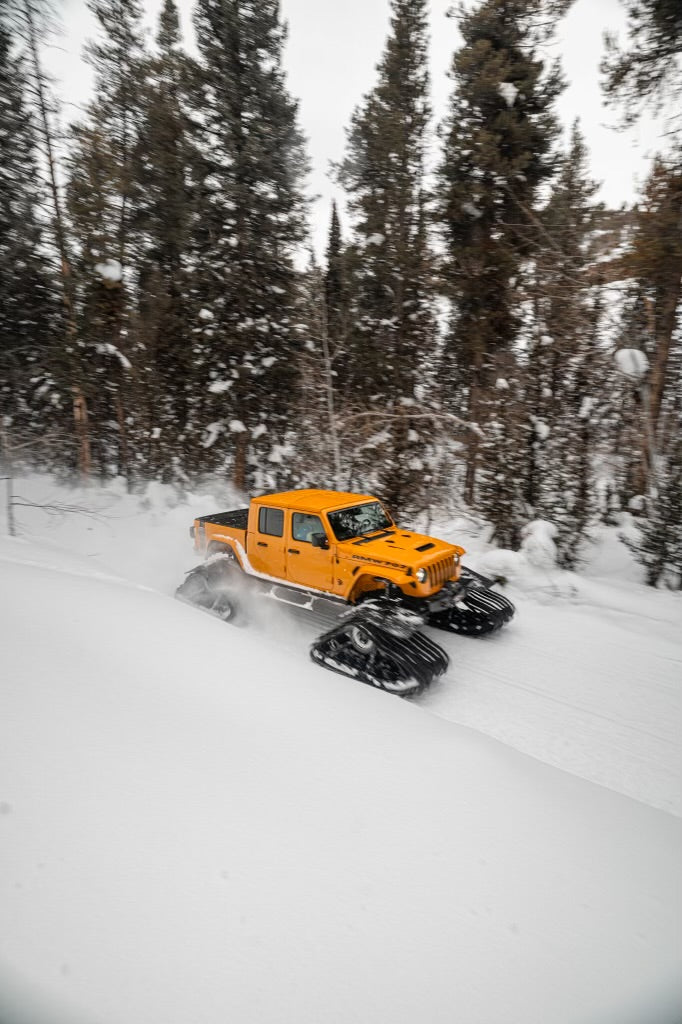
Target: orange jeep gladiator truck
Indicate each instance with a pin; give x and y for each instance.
(333, 549)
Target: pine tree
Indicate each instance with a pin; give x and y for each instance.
(650, 322)
(318, 453)
(659, 547)
(384, 174)
(498, 141)
(101, 191)
(567, 367)
(652, 406)
(117, 60)
(656, 263)
(649, 69)
(336, 295)
(28, 22)
(252, 221)
(167, 174)
(29, 318)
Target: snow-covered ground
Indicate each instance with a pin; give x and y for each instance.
(198, 824)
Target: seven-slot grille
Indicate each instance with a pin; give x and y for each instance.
(441, 571)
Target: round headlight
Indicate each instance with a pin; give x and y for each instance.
(421, 575)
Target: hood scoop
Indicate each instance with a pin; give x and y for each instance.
(373, 536)
(427, 546)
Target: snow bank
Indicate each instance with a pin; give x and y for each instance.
(538, 544)
(586, 677)
(198, 824)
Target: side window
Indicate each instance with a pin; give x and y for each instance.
(304, 525)
(271, 521)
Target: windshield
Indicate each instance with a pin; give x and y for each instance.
(360, 519)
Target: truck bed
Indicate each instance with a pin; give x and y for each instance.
(235, 522)
(237, 519)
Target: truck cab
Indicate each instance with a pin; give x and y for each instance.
(334, 542)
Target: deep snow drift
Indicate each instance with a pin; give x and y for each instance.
(198, 824)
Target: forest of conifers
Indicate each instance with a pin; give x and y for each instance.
(480, 334)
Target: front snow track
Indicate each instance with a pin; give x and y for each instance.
(379, 642)
(477, 609)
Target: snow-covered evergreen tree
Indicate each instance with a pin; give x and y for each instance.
(168, 172)
(101, 191)
(252, 221)
(29, 315)
(393, 330)
(567, 367)
(659, 543)
(648, 70)
(498, 138)
(336, 300)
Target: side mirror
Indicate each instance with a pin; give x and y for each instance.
(319, 540)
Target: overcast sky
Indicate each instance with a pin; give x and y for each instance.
(331, 57)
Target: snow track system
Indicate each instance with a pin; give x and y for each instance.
(381, 645)
(477, 609)
(213, 586)
(379, 642)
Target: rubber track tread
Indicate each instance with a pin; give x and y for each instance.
(400, 664)
(480, 611)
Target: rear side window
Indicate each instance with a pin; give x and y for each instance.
(271, 521)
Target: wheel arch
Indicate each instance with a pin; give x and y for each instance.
(223, 547)
(373, 582)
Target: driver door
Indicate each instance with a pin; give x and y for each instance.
(307, 565)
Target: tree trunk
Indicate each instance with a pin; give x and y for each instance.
(474, 440)
(80, 419)
(239, 470)
(9, 479)
(331, 414)
(124, 461)
(80, 402)
(664, 330)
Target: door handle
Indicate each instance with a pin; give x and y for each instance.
(293, 551)
(261, 544)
